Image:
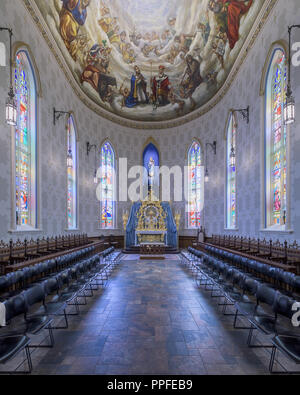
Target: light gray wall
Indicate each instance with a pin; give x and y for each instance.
(173, 143)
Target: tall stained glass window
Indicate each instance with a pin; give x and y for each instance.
(25, 142)
(72, 175)
(107, 186)
(276, 141)
(231, 173)
(195, 185)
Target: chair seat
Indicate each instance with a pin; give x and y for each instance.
(50, 308)
(289, 345)
(63, 297)
(250, 309)
(265, 324)
(10, 346)
(36, 323)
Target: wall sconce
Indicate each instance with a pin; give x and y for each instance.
(213, 146)
(245, 113)
(89, 147)
(58, 114)
(10, 106)
(289, 106)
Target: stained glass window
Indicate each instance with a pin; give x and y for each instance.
(231, 173)
(72, 175)
(25, 142)
(107, 186)
(195, 188)
(276, 140)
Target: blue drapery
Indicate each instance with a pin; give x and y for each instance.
(170, 224)
(132, 224)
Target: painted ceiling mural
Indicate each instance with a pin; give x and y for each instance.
(150, 60)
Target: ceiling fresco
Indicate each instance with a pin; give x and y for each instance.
(150, 60)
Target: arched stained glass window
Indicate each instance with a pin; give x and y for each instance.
(72, 175)
(275, 141)
(107, 186)
(195, 185)
(231, 174)
(25, 143)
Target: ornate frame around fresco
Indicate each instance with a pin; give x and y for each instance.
(249, 42)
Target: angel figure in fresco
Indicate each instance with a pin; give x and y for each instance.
(228, 14)
(97, 72)
(72, 16)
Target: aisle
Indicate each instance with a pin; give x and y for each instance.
(151, 319)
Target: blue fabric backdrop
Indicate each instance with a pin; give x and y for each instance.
(170, 224)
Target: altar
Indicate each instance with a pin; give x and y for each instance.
(151, 223)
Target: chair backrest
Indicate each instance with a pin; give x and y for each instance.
(266, 294)
(283, 305)
(51, 285)
(35, 294)
(15, 306)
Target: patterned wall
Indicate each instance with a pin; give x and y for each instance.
(173, 143)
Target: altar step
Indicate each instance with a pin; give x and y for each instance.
(136, 250)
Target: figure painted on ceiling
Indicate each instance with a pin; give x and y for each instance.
(228, 14)
(72, 15)
(138, 93)
(97, 72)
(160, 88)
(191, 79)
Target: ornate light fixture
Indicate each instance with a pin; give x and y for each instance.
(70, 159)
(289, 106)
(89, 147)
(10, 107)
(213, 146)
(70, 162)
(232, 157)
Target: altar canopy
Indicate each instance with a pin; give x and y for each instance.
(171, 239)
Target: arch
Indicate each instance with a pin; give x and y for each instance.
(108, 186)
(230, 171)
(72, 174)
(195, 185)
(25, 143)
(276, 44)
(21, 46)
(275, 140)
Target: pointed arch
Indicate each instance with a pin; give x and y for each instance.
(107, 186)
(231, 172)
(195, 185)
(275, 140)
(25, 143)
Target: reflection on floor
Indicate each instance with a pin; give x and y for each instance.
(151, 319)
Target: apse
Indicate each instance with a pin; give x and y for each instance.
(148, 62)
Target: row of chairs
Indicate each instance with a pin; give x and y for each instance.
(285, 252)
(34, 309)
(269, 311)
(20, 251)
(15, 281)
(283, 280)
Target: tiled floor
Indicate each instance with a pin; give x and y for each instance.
(151, 319)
